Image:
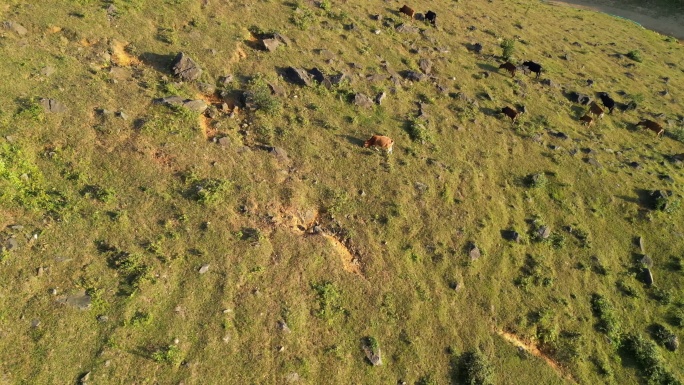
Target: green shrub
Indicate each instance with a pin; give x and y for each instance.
(474, 369)
(169, 354)
(98, 193)
(538, 180)
(418, 131)
(329, 300)
(647, 357)
(302, 18)
(635, 55)
(260, 97)
(608, 321)
(508, 47)
(663, 336)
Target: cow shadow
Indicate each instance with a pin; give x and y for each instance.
(160, 62)
(488, 67)
(353, 140)
(490, 111)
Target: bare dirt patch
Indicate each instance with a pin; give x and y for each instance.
(120, 57)
(533, 350)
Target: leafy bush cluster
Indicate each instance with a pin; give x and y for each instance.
(474, 369)
(329, 300)
(649, 360)
(508, 47)
(259, 96)
(604, 311)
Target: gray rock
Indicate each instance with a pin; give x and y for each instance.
(298, 76)
(204, 268)
(12, 244)
(672, 343)
(544, 232)
(47, 70)
(380, 97)
(425, 66)
(647, 261)
(362, 100)
(279, 153)
(35, 323)
(375, 357)
(122, 115)
(548, 83)
(282, 38)
(52, 106)
(17, 227)
(640, 243)
(474, 253)
(102, 318)
(84, 378)
(186, 68)
(316, 74)
(198, 105)
(206, 88)
(80, 300)
(171, 100)
(16, 27)
(282, 326)
(276, 89)
(594, 162)
(224, 141)
(270, 45)
(647, 276)
(334, 80)
(225, 80)
(404, 28)
(415, 76)
(292, 377)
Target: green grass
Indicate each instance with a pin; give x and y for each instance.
(128, 207)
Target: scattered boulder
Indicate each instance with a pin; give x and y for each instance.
(362, 100)
(672, 343)
(593, 162)
(298, 76)
(279, 153)
(52, 106)
(647, 276)
(16, 27)
(276, 89)
(316, 74)
(548, 83)
(659, 199)
(544, 232)
(12, 244)
(372, 350)
(282, 326)
(477, 47)
(404, 28)
(380, 97)
(425, 66)
(646, 261)
(185, 68)
(474, 252)
(512, 235)
(334, 80)
(203, 269)
(206, 88)
(270, 45)
(415, 76)
(640, 242)
(282, 38)
(80, 300)
(197, 105)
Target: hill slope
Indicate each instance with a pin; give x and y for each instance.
(147, 242)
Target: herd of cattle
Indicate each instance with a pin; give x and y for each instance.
(513, 113)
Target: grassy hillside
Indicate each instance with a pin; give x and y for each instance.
(147, 243)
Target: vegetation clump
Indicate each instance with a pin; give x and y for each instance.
(508, 47)
(635, 55)
(474, 369)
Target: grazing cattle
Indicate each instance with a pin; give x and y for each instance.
(607, 101)
(653, 126)
(406, 10)
(587, 120)
(596, 110)
(383, 142)
(534, 67)
(431, 17)
(510, 67)
(511, 113)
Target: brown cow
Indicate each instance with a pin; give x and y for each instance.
(511, 113)
(653, 126)
(383, 142)
(406, 10)
(596, 110)
(587, 120)
(510, 67)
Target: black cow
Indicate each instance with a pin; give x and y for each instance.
(534, 67)
(431, 17)
(607, 101)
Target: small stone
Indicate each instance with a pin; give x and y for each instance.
(282, 38)
(204, 269)
(122, 115)
(35, 323)
(640, 243)
(317, 229)
(282, 326)
(298, 76)
(84, 378)
(102, 318)
(80, 300)
(186, 68)
(404, 28)
(647, 276)
(474, 253)
(425, 66)
(40, 271)
(198, 105)
(227, 79)
(48, 70)
(362, 100)
(594, 162)
(224, 141)
(12, 244)
(270, 45)
(380, 97)
(176, 340)
(206, 88)
(53, 291)
(544, 232)
(292, 377)
(647, 261)
(415, 76)
(52, 106)
(672, 343)
(16, 27)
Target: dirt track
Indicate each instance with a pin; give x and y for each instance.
(653, 19)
